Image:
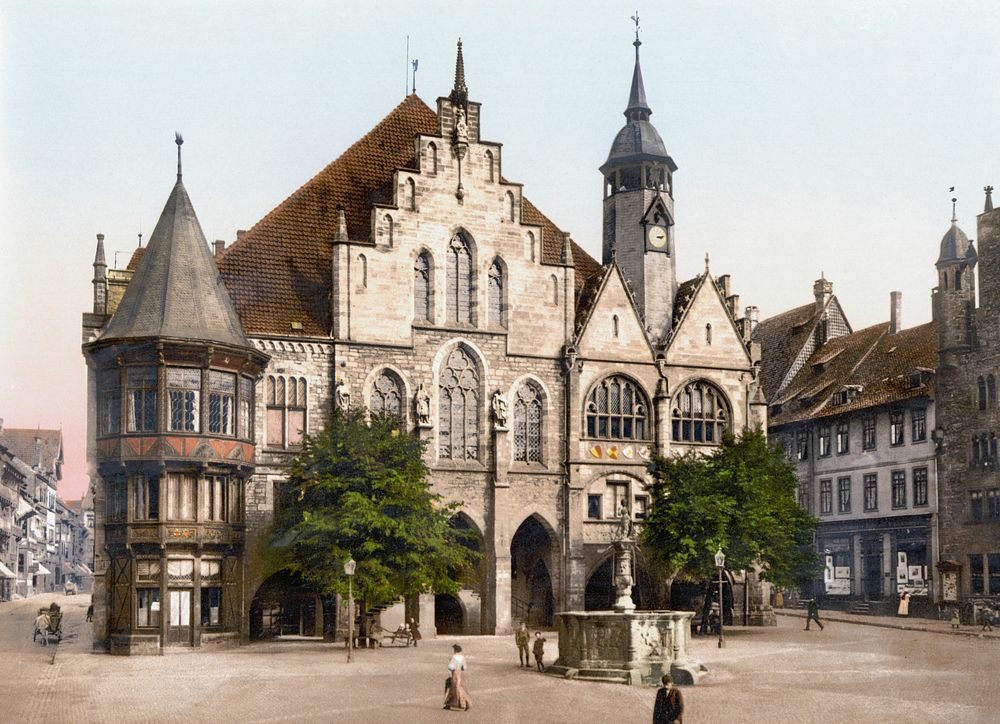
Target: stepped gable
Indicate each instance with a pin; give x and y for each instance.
(880, 364)
(278, 273)
(781, 338)
(176, 291)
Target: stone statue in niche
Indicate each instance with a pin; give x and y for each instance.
(499, 410)
(461, 127)
(423, 403)
(343, 394)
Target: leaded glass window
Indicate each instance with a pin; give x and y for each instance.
(109, 416)
(422, 288)
(386, 395)
(458, 424)
(528, 424)
(459, 281)
(497, 309)
(184, 394)
(141, 385)
(617, 410)
(221, 402)
(700, 414)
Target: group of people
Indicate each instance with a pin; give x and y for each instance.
(521, 638)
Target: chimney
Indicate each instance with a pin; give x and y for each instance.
(734, 304)
(822, 290)
(220, 246)
(723, 284)
(752, 316)
(895, 312)
(240, 233)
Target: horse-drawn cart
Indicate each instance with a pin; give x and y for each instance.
(48, 625)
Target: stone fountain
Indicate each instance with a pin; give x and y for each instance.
(624, 645)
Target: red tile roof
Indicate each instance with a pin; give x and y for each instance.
(21, 443)
(781, 338)
(880, 367)
(133, 263)
(279, 272)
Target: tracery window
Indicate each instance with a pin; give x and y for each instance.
(497, 307)
(528, 423)
(700, 414)
(617, 410)
(422, 288)
(460, 294)
(458, 408)
(386, 395)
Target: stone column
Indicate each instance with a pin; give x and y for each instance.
(575, 569)
(495, 606)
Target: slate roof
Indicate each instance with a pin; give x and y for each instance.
(176, 291)
(781, 338)
(279, 272)
(21, 444)
(685, 293)
(955, 245)
(878, 364)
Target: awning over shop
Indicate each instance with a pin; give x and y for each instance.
(43, 571)
(23, 508)
(81, 569)
(5, 572)
(67, 568)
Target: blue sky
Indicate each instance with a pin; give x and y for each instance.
(811, 137)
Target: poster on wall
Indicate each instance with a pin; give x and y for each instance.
(949, 585)
(910, 579)
(836, 579)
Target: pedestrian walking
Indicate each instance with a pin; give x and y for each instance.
(456, 697)
(539, 650)
(414, 631)
(669, 706)
(521, 638)
(90, 612)
(987, 619)
(813, 614)
(956, 621)
(904, 605)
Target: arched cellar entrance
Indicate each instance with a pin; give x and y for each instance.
(285, 605)
(449, 617)
(600, 592)
(531, 598)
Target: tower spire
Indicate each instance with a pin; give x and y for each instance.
(179, 140)
(460, 93)
(638, 109)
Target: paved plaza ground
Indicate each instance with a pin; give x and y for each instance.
(846, 673)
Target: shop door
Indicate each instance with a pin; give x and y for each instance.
(179, 632)
(871, 555)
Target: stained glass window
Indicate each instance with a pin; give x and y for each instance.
(458, 423)
(528, 424)
(700, 414)
(617, 410)
(459, 281)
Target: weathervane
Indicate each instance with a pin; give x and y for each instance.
(179, 140)
(416, 61)
(954, 216)
(635, 19)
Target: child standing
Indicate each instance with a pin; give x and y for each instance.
(538, 649)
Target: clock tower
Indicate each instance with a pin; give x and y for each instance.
(639, 211)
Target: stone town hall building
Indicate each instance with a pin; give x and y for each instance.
(409, 276)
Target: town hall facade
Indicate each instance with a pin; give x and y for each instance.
(409, 276)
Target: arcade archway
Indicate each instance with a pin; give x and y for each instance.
(449, 617)
(531, 597)
(285, 605)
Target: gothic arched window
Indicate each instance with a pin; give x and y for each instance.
(386, 397)
(458, 408)
(489, 166)
(617, 409)
(411, 194)
(460, 292)
(432, 153)
(422, 270)
(991, 389)
(510, 206)
(387, 230)
(700, 413)
(982, 393)
(528, 423)
(497, 306)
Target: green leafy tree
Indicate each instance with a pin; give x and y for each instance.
(359, 489)
(742, 497)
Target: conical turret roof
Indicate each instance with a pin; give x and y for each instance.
(176, 291)
(955, 245)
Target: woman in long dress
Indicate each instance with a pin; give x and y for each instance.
(457, 697)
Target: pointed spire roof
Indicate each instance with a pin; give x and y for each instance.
(955, 245)
(638, 108)
(460, 92)
(176, 291)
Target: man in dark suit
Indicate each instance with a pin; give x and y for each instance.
(669, 707)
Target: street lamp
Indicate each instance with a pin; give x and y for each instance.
(720, 563)
(349, 570)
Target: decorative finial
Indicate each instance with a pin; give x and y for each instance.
(140, 239)
(179, 140)
(954, 215)
(989, 199)
(460, 93)
(415, 63)
(706, 262)
(635, 19)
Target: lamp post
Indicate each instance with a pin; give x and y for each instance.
(720, 563)
(349, 570)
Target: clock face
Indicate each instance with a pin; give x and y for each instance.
(657, 236)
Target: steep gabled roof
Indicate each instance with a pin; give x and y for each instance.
(279, 272)
(176, 291)
(21, 443)
(781, 339)
(879, 368)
